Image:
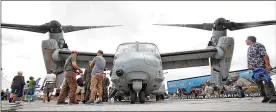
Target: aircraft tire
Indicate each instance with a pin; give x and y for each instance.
(157, 97)
(120, 98)
(132, 97)
(142, 97)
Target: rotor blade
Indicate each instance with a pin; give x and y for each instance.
(205, 26)
(67, 29)
(31, 28)
(237, 26)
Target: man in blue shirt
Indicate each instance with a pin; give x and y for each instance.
(258, 58)
(98, 65)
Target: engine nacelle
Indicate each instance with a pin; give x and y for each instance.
(221, 62)
(52, 59)
(48, 48)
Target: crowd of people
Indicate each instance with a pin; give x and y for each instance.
(213, 92)
(84, 89)
(92, 84)
(20, 90)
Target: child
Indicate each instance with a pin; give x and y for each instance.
(31, 89)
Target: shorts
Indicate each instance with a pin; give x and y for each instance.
(16, 90)
(49, 87)
(31, 91)
(80, 90)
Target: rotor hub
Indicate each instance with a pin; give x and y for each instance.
(54, 27)
(219, 24)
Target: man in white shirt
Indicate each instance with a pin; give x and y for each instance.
(50, 84)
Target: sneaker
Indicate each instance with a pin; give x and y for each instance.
(10, 100)
(272, 101)
(99, 102)
(12, 103)
(83, 101)
(90, 102)
(265, 100)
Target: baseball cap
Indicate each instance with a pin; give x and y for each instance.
(75, 52)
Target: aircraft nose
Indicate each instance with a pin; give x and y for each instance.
(133, 60)
(136, 60)
(152, 60)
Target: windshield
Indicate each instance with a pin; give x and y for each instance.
(148, 48)
(142, 47)
(126, 48)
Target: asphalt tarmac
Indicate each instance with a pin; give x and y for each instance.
(226, 104)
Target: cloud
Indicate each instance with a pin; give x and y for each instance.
(9, 39)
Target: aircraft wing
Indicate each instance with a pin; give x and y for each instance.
(186, 59)
(85, 57)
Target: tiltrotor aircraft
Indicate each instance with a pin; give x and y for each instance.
(219, 50)
(137, 67)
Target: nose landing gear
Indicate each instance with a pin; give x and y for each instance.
(138, 90)
(141, 96)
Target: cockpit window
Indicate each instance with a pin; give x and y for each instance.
(127, 48)
(148, 48)
(142, 47)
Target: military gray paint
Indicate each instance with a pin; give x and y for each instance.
(136, 66)
(220, 64)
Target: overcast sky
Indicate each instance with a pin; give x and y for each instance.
(22, 50)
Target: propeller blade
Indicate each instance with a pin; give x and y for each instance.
(31, 28)
(70, 28)
(237, 26)
(205, 26)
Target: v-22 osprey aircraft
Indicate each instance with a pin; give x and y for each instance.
(137, 67)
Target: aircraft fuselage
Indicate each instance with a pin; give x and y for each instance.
(137, 67)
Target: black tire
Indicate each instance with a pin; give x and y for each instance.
(132, 97)
(162, 97)
(142, 97)
(120, 98)
(157, 97)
